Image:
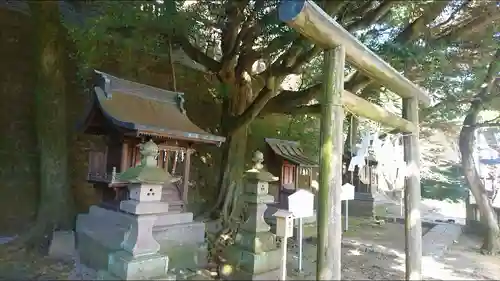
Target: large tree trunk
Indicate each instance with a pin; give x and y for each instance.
(234, 149)
(51, 126)
(488, 217)
(232, 172)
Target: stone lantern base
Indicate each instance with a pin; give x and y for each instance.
(124, 266)
(248, 265)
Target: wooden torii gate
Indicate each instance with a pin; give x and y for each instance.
(312, 22)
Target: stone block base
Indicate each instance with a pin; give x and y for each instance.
(94, 254)
(105, 275)
(101, 232)
(243, 275)
(362, 206)
(128, 267)
(185, 256)
(257, 263)
(185, 233)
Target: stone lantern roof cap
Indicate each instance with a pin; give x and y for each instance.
(257, 172)
(147, 171)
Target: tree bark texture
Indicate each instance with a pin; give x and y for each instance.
(51, 126)
(233, 151)
(491, 243)
(488, 217)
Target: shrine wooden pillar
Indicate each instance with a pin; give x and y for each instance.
(412, 197)
(124, 158)
(187, 167)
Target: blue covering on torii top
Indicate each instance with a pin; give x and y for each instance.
(492, 161)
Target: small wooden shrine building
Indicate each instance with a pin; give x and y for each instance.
(286, 158)
(127, 113)
(298, 171)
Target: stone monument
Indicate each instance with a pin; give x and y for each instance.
(255, 255)
(139, 257)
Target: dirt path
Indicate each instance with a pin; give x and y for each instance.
(463, 261)
(376, 252)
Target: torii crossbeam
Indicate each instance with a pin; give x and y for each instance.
(311, 21)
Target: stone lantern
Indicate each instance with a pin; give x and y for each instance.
(255, 255)
(138, 258)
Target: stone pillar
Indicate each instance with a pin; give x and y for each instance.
(138, 258)
(255, 255)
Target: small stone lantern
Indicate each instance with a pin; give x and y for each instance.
(254, 255)
(139, 258)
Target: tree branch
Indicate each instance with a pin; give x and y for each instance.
(312, 109)
(253, 110)
(334, 7)
(289, 100)
(371, 16)
(249, 34)
(474, 25)
(455, 12)
(418, 27)
(197, 55)
(490, 123)
(490, 79)
(231, 37)
(410, 33)
(300, 52)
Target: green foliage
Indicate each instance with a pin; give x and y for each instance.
(304, 129)
(449, 70)
(446, 183)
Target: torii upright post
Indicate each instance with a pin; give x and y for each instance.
(329, 214)
(413, 224)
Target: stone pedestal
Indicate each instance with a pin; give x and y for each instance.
(143, 231)
(139, 257)
(255, 255)
(101, 232)
(363, 205)
(172, 196)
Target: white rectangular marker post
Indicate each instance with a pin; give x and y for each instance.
(301, 205)
(346, 195)
(284, 229)
(346, 225)
(301, 241)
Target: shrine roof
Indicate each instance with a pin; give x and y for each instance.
(291, 151)
(146, 110)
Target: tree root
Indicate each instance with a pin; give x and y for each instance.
(37, 238)
(491, 244)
